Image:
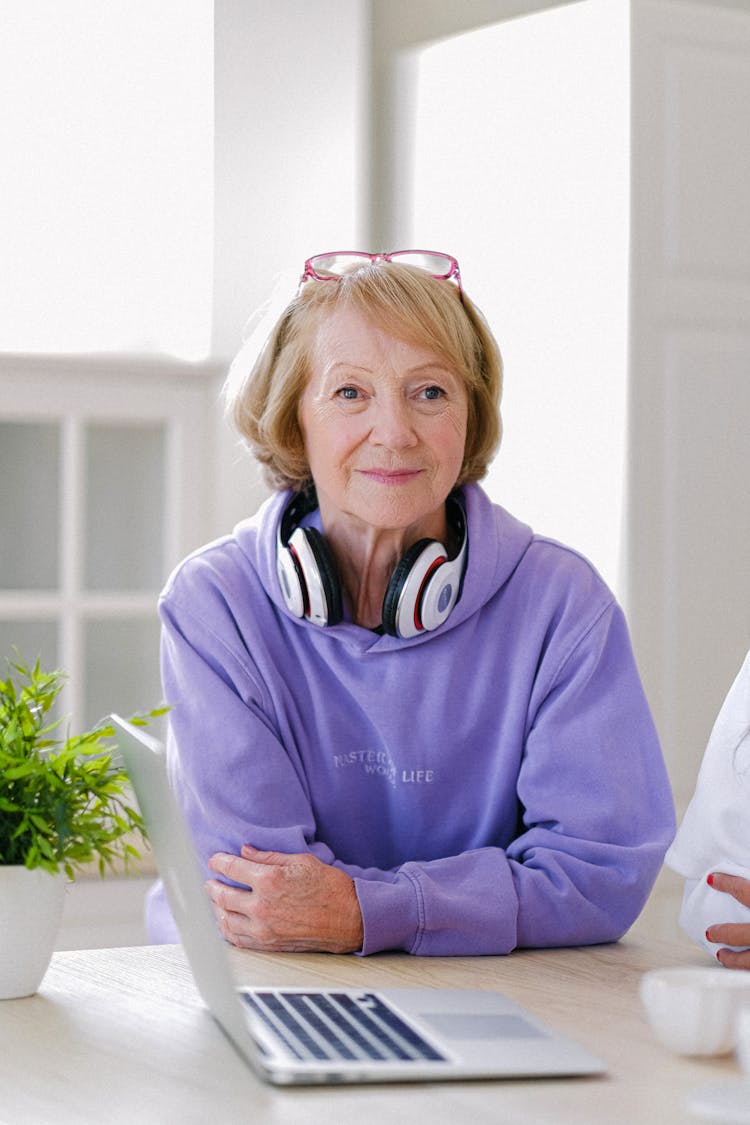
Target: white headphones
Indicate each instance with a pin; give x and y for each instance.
(422, 591)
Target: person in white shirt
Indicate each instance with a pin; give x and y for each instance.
(712, 846)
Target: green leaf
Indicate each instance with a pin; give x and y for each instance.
(63, 800)
(14, 772)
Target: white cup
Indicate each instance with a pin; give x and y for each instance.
(743, 1038)
(695, 1011)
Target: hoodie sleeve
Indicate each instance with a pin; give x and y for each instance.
(597, 806)
(715, 831)
(224, 757)
(716, 827)
(596, 817)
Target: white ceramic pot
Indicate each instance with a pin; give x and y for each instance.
(31, 904)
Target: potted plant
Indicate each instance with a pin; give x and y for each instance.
(64, 803)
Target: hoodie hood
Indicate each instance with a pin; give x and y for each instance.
(497, 542)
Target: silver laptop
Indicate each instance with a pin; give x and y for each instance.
(322, 1035)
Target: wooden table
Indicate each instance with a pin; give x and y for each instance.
(118, 1035)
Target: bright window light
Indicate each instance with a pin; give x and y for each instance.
(522, 171)
(106, 132)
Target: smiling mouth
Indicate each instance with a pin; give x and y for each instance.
(391, 476)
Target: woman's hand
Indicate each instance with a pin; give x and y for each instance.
(294, 903)
(728, 932)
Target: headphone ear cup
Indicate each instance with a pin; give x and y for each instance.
(401, 612)
(292, 581)
(440, 593)
(320, 579)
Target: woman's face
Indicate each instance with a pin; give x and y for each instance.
(384, 424)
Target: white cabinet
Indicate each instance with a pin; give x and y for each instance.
(106, 469)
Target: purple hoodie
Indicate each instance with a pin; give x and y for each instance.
(495, 783)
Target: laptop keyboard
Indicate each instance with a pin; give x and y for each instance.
(340, 1025)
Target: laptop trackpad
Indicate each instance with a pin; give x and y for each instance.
(481, 1025)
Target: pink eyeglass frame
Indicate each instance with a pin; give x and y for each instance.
(453, 272)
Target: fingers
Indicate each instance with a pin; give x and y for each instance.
(245, 920)
(729, 933)
(230, 904)
(733, 885)
(228, 900)
(227, 903)
(732, 960)
(292, 903)
(242, 868)
(253, 914)
(272, 901)
(232, 867)
(277, 859)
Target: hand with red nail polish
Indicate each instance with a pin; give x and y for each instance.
(731, 933)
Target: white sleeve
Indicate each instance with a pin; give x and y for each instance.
(716, 828)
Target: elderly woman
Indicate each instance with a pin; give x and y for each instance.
(401, 720)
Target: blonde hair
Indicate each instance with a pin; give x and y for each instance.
(401, 300)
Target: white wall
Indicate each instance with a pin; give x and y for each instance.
(521, 167)
(290, 99)
(106, 142)
(689, 518)
(290, 127)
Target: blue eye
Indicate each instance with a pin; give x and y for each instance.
(432, 393)
(349, 393)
